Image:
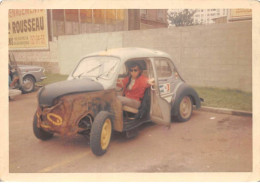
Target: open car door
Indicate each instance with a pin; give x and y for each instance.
(160, 111)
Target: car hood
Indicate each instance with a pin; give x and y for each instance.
(49, 93)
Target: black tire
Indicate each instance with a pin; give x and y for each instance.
(101, 122)
(183, 116)
(28, 84)
(40, 133)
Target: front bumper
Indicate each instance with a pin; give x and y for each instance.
(43, 77)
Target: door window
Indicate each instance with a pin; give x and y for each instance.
(163, 68)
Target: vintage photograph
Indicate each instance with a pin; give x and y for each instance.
(130, 90)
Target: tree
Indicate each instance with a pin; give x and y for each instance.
(181, 17)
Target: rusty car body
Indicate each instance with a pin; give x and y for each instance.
(87, 102)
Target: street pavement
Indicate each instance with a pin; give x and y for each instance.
(208, 142)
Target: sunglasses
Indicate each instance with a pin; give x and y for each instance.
(135, 70)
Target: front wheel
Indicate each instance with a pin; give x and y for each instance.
(184, 109)
(28, 84)
(40, 133)
(100, 133)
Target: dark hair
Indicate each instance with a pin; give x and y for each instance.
(134, 64)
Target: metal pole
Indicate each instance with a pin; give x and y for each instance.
(105, 17)
(51, 24)
(64, 15)
(92, 21)
(79, 21)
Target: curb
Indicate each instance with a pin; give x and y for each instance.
(225, 111)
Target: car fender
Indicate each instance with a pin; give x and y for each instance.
(29, 74)
(184, 90)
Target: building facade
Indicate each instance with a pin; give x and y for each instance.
(153, 18)
(206, 16)
(210, 16)
(81, 21)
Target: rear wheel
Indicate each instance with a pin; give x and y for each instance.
(100, 133)
(184, 109)
(28, 84)
(39, 132)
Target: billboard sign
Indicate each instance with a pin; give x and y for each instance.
(27, 29)
(240, 13)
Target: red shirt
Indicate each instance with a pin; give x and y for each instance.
(138, 89)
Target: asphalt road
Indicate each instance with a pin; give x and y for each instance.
(208, 142)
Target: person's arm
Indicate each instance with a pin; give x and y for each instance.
(122, 83)
(14, 81)
(149, 82)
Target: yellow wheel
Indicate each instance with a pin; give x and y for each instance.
(185, 109)
(100, 133)
(106, 134)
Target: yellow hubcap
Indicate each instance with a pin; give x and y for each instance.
(185, 107)
(106, 134)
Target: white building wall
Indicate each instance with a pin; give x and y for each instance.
(205, 16)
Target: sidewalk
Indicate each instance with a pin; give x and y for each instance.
(226, 111)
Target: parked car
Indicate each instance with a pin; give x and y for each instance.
(28, 75)
(87, 102)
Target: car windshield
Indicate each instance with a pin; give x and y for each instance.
(98, 67)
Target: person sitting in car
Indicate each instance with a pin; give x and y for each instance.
(134, 86)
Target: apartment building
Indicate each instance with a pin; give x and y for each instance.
(206, 16)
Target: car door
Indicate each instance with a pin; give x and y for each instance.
(160, 111)
(168, 78)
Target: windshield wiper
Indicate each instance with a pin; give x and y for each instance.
(88, 71)
(107, 73)
(95, 68)
(78, 75)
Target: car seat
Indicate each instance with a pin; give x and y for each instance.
(144, 107)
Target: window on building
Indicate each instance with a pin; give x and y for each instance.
(58, 22)
(160, 15)
(86, 15)
(71, 15)
(99, 16)
(111, 16)
(86, 20)
(72, 21)
(143, 13)
(120, 14)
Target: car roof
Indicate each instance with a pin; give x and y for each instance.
(130, 53)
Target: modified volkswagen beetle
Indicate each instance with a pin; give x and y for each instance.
(87, 102)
